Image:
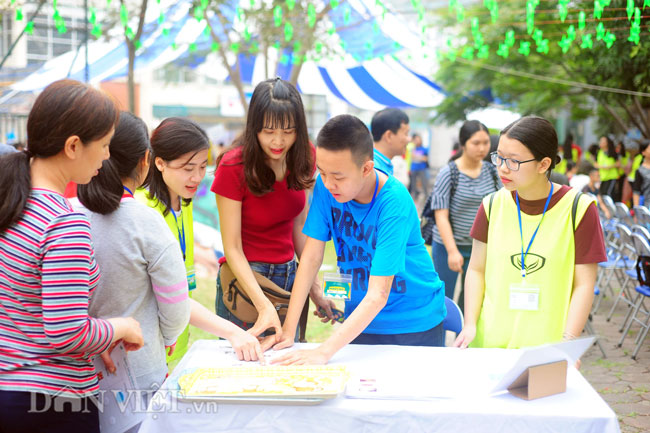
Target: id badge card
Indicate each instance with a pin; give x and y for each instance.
(337, 286)
(524, 297)
(191, 279)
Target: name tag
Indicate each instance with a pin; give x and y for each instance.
(524, 297)
(337, 286)
(191, 280)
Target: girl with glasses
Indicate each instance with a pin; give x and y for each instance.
(536, 247)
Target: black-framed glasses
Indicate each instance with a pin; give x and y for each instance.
(512, 164)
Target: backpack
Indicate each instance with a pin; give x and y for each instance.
(643, 270)
(428, 217)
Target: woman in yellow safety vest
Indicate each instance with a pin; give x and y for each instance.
(536, 247)
(180, 156)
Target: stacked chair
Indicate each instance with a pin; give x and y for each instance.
(627, 240)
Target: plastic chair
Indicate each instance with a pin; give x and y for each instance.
(642, 215)
(623, 214)
(454, 320)
(609, 204)
(643, 292)
(627, 274)
(617, 263)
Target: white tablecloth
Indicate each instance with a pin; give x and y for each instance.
(579, 409)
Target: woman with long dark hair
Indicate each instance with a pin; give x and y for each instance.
(261, 186)
(48, 267)
(180, 156)
(536, 248)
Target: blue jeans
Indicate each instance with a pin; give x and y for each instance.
(434, 337)
(282, 275)
(439, 254)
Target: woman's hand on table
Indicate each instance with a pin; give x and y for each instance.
(465, 337)
(267, 319)
(246, 346)
(284, 341)
(302, 357)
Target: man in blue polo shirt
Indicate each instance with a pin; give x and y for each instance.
(396, 295)
(390, 133)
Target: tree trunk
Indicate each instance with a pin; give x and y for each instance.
(130, 84)
(615, 115)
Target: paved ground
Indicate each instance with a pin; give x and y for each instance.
(622, 382)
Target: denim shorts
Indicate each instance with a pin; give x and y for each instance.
(282, 274)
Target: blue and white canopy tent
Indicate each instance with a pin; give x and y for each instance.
(383, 80)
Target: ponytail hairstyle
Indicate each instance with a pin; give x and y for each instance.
(611, 147)
(538, 135)
(128, 146)
(275, 104)
(173, 138)
(64, 109)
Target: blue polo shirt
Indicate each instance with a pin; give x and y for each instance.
(383, 239)
(382, 162)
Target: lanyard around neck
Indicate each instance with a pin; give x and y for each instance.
(372, 202)
(521, 231)
(127, 192)
(181, 232)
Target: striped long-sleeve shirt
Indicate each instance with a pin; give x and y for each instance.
(47, 275)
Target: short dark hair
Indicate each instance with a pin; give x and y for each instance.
(538, 135)
(388, 119)
(128, 146)
(585, 167)
(173, 138)
(347, 132)
(643, 146)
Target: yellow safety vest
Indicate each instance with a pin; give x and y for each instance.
(550, 266)
(186, 225)
(638, 160)
(606, 173)
(624, 160)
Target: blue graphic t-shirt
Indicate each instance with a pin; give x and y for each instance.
(382, 239)
(419, 151)
(382, 162)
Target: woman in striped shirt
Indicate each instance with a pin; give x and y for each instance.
(47, 268)
(457, 195)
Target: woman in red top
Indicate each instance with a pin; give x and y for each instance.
(261, 186)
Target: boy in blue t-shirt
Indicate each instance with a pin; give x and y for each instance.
(396, 296)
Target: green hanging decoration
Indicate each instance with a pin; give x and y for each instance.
(247, 34)
(311, 15)
(609, 39)
(635, 35)
(375, 28)
(204, 4)
(129, 33)
(165, 31)
(234, 47)
(252, 4)
(290, 4)
(600, 31)
(493, 7)
(565, 44)
(277, 16)
(96, 31)
(318, 46)
(571, 33)
(564, 9)
(29, 28)
(510, 38)
(538, 35)
(288, 31)
(93, 16)
(334, 4)
(598, 9)
(347, 14)
(214, 47)
(646, 3)
(483, 52)
(542, 46)
(124, 15)
(582, 20)
(630, 9)
(137, 44)
(524, 48)
(530, 16)
(192, 47)
(206, 30)
(19, 14)
(276, 45)
(587, 42)
(174, 46)
(468, 53)
(344, 45)
(161, 18)
(240, 14)
(255, 48)
(460, 13)
(504, 50)
(297, 46)
(199, 13)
